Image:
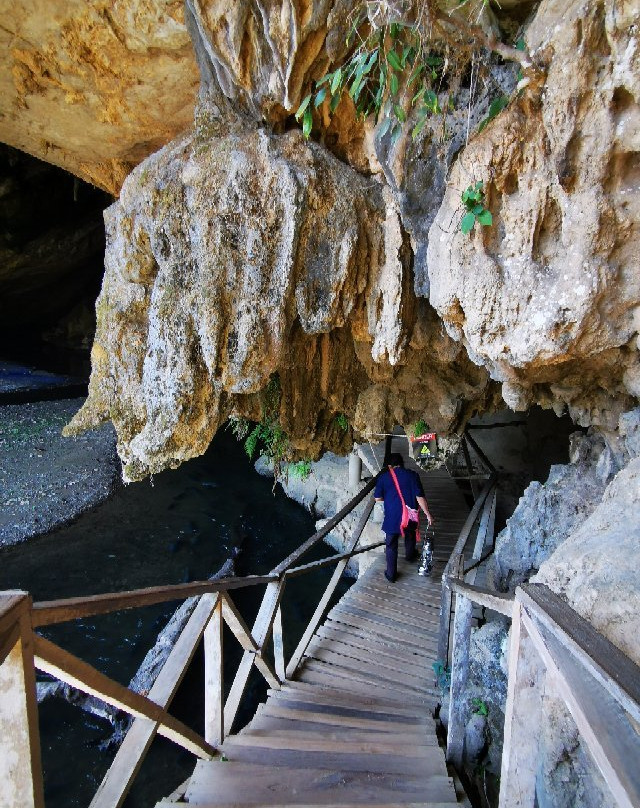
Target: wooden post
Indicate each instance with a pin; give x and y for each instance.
(445, 623)
(355, 471)
(213, 677)
(522, 717)
(459, 675)
(467, 460)
(20, 766)
(278, 646)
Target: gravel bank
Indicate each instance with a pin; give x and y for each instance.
(47, 480)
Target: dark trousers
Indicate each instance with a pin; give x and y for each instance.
(391, 548)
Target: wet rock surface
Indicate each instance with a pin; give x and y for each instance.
(47, 480)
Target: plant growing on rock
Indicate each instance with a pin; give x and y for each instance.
(342, 422)
(473, 201)
(299, 470)
(420, 427)
(403, 62)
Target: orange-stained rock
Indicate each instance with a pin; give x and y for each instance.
(95, 86)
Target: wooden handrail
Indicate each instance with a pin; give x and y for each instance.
(607, 663)
(326, 562)
(501, 602)
(151, 713)
(46, 613)
(326, 528)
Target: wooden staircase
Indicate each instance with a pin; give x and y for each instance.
(356, 725)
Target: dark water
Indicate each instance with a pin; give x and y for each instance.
(180, 526)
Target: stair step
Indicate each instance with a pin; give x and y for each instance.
(340, 736)
(361, 760)
(307, 704)
(320, 722)
(218, 783)
(367, 700)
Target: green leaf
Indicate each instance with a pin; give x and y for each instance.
(415, 75)
(395, 133)
(520, 44)
(354, 92)
(307, 122)
(321, 81)
(372, 60)
(400, 113)
(320, 97)
(335, 82)
(477, 209)
(466, 225)
(394, 30)
(392, 58)
(418, 127)
(394, 84)
(335, 100)
(383, 128)
(485, 218)
(465, 194)
(301, 109)
(419, 95)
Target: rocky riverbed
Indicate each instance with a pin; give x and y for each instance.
(47, 480)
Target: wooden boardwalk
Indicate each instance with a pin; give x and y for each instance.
(355, 727)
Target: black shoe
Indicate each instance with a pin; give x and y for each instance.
(390, 578)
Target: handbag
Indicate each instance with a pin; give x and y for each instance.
(408, 514)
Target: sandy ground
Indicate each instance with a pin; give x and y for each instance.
(47, 480)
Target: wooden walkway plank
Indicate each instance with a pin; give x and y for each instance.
(352, 725)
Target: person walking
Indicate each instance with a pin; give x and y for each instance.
(413, 494)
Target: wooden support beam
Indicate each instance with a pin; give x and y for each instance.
(278, 646)
(522, 714)
(326, 597)
(326, 562)
(260, 634)
(234, 620)
(459, 676)
(117, 781)
(485, 460)
(326, 528)
(611, 739)
(501, 602)
(213, 677)
(66, 667)
(20, 766)
(469, 464)
(49, 612)
(445, 622)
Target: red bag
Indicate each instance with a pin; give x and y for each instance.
(408, 514)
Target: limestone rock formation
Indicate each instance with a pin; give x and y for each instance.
(94, 87)
(549, 512)
(548, 297)
(232, 257)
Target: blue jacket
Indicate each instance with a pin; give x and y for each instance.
(411, 487)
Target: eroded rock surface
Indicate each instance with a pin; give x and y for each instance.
(232, 257)
(548, 297)
(94, 87)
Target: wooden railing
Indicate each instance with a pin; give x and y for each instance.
(483, 516)
(553, 651)
(22, 651)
